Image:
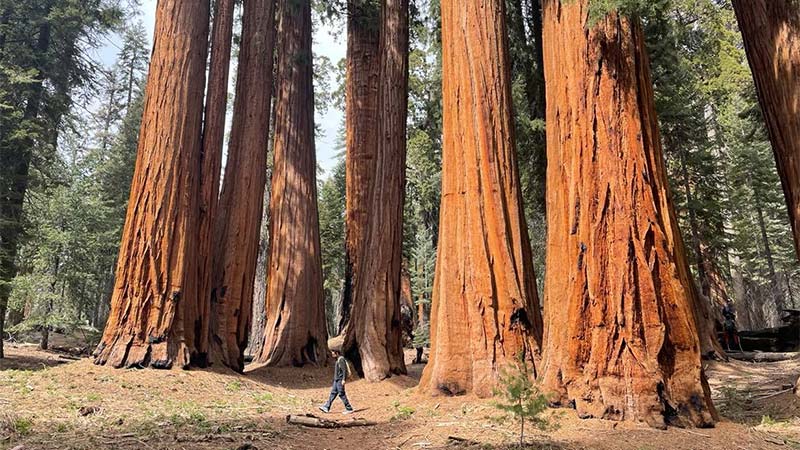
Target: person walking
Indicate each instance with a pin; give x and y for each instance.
(340, 372)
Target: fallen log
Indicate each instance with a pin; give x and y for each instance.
(764, 356)
(462, 441)
(310, 420)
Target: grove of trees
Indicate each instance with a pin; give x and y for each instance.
(583, 184)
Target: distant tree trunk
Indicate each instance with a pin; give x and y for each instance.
(771, 32)
(239, 217)
(709, 344)
(361, 114)
(374, 335)
(485, 308)
(154, 319)
(773, 277)
(296, 333)
(622, 340)
(213, 137)
(259, 323)
(16, 156)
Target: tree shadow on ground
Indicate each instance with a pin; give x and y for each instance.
(16, 361)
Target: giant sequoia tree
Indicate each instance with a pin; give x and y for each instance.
(243, 188)
(771, 32)
(361, 107)
(485, 309)
(213, 137)
(620, 329)
(154, 312)
(296, 333)
(373, 337)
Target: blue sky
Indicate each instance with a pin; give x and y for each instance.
(327, 41)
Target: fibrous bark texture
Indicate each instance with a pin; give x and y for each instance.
(296, 333)
(240, 204)
(771, 32)
(259, 322)
(485, 309)
(620, 332)
(155, 320)
(213, 136)
(374, 338)
(361, 115)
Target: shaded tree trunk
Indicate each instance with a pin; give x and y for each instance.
(374, 336)
(361, 114)
(622, 340)
(240, 205)
(259, 323)
(213, 137)
(485, 308)
(771, 32)
(15, 158)
(296, 333)
(154, 319)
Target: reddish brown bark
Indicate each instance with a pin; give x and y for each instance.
(213, 136)
(620, 330)
(154, 310)
(485, 310)
(296, 333)
(373, 337)
(361, 114)
(240, 204)
(771, 32)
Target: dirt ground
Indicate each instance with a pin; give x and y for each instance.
(48, 402)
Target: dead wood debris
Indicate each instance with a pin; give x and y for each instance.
(310, 420)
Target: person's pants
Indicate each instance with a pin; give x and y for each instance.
(338, 389)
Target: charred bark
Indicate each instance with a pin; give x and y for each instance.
(296, 333)
(771, 32)
(622, 339)
(154, 309)
(485, 309)
(240, 204)
(374, 337)
(361, 114)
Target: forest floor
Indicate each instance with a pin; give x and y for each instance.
(48, 402)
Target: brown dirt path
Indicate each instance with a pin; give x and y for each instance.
(41, 395)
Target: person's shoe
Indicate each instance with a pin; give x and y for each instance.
(348, 411)
(324, 409)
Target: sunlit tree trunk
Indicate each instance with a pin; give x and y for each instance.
(296, 333)
(155, 320)
(620, 332)
(374, 339)
(240, 204)
(213, 136)
(485, 311)
(771, 32)
(361, 122)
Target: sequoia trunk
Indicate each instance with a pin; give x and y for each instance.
(621, 336)
(240, 204)
(213, 136)
(361, 108)
(155, 320)
(296, 333)
(485, 311)
(373, 338)
(771, 32)
(259, 322)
